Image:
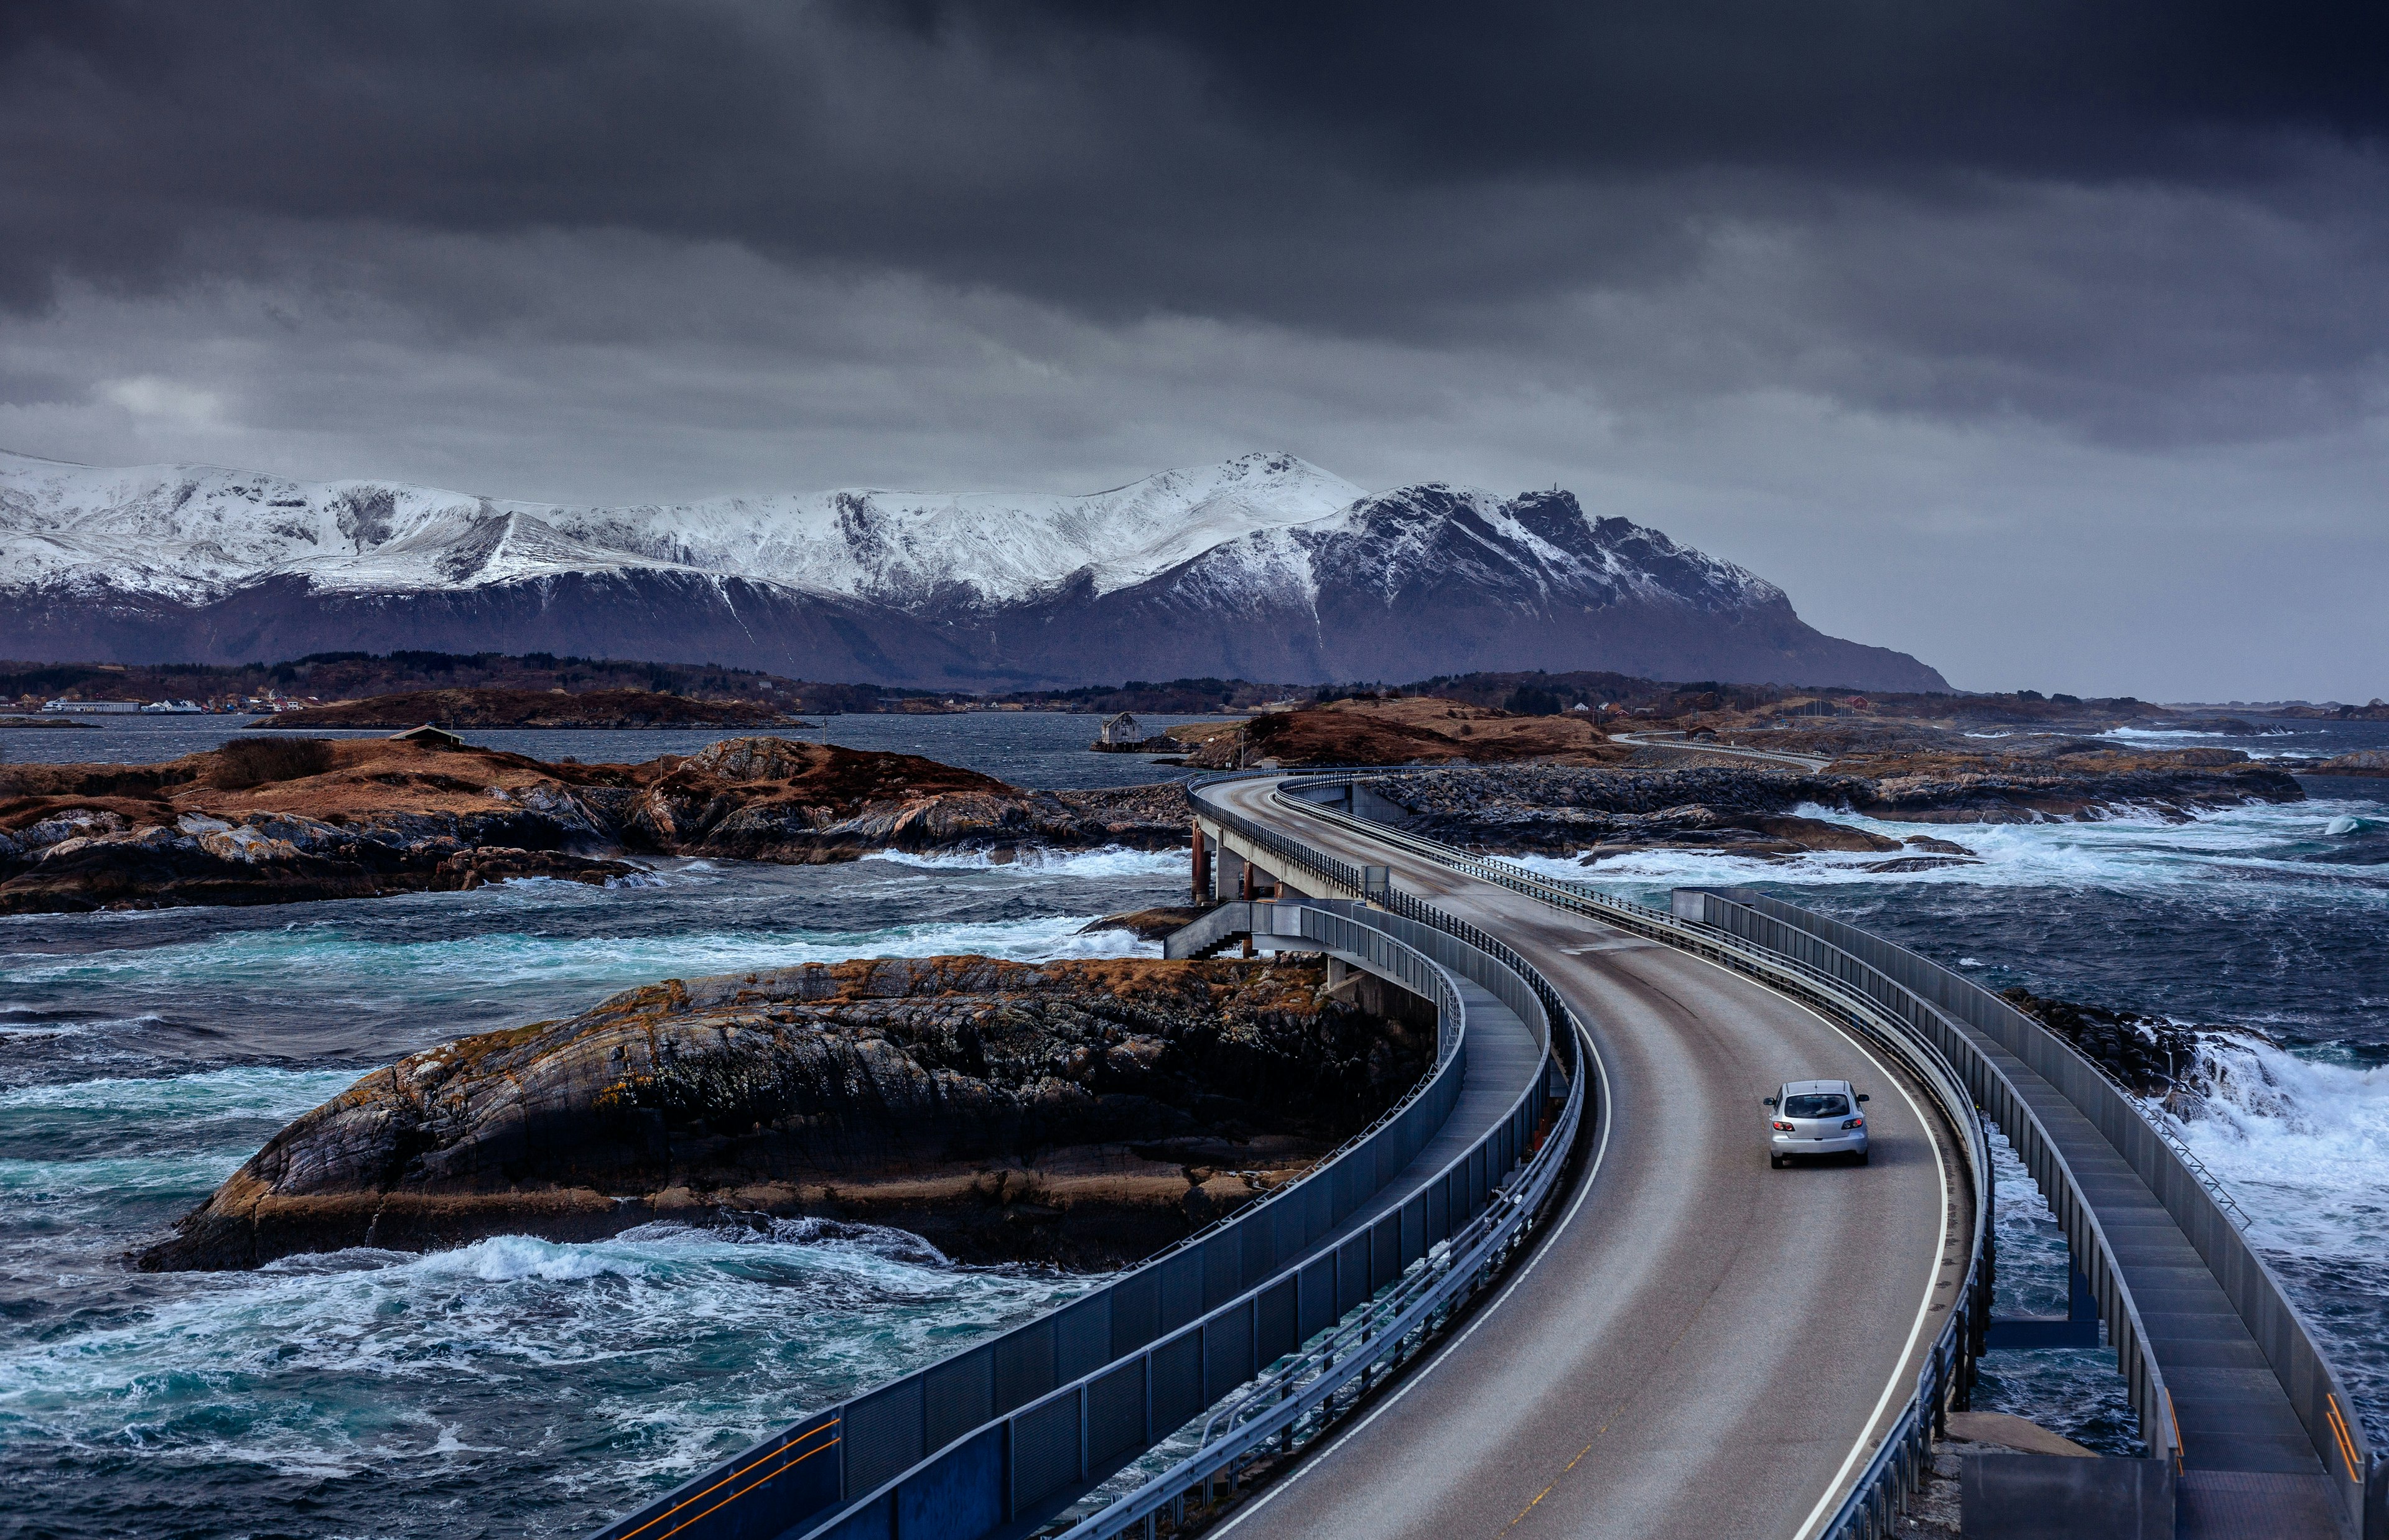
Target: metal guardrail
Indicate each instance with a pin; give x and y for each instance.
(1020, 1466)
(815, 1467)
(1932, 999)
(1303, 1396)
(2311, 1385)
(1870, 1508)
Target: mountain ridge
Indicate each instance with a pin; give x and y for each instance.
(1260, 567)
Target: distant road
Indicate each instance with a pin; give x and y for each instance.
(1702, 1346)
(1653, 740)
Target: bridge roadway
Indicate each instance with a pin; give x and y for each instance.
(1704, 1347)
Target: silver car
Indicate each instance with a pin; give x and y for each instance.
(1815, 1117)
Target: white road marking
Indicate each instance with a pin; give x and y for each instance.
(1542, 1249)
(1924, 1307)
(1932, 1276)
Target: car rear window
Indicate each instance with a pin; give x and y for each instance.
(1816, 1105)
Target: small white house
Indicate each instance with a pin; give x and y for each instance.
(1122, 728)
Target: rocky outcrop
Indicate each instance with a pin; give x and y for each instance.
(2364, 761)
(1082, 1113)
(491, 707)
(2148, 1053)
(1405, 731)
(1750, 809)
(272, 821)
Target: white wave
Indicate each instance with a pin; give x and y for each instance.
(217, 1095)
(2260, 849)
(323, 958)
(2151, 734)
(2348, 823)
(1111, 860)
(2300, 1141)
(803, 1321)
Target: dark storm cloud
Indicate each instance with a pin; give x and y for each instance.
(1239, 160)
(1867, 295)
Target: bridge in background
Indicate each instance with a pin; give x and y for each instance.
(1554, 1290)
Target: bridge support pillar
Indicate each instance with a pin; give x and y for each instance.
(1229, 878)
(1200, 887)
(2077, 1328)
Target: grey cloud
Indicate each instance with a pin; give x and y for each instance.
(1858, 295)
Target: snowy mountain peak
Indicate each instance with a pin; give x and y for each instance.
(199, 531)
(1264, 566)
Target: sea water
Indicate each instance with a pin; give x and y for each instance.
(518, 1386)
(513, 1386)
(1027, 748)
(2267, 920)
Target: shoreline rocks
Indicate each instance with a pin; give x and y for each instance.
(1550, 809)
(277, 821)
(1084, 1112)
(487, 706)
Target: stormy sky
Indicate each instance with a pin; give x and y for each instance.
(2046, 341)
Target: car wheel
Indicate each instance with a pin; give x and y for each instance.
(1775, 1161)
(1862, 1155)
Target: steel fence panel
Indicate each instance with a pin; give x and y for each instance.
(1177, 1389)
(1317, 1294)
(1045, 1451)
(1223, 1267)
(1115, 1415)
(1082, 1336)
(883, 1435)
(1024, 1367)
(961, 1494)
(1136, 1312)
(1180, 1281)
(1276, 1311)
(1228, 1349)
(960, 1396)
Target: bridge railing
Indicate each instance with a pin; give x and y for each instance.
(2313, 1387)
(1931, 1000)
(1304, 1394)
(982, 1420)
(1376, 1285)
(1895, 1467)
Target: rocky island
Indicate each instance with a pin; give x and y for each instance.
(1752, 808)
(1079, 1113)
(493, 707)
(279, 820)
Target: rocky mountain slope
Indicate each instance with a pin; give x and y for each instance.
(1261, 568)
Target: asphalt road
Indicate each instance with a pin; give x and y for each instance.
(1705, 1347)
(1769, 755)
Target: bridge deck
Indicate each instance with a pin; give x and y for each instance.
(1702, 1346)
(2240, 1437)
(1504, 1059)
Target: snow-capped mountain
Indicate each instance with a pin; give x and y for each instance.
(194, 533)
(1264, 566)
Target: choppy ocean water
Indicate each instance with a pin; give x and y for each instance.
(1027, 748)
(510, 1387)
(2270, 918)
(518, 1387)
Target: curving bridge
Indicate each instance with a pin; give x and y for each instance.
(1558, 1291)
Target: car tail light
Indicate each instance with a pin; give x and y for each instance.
(1784, 1127)
(1854, 1123)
